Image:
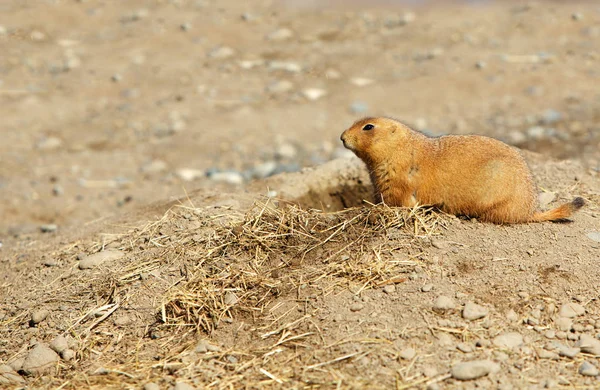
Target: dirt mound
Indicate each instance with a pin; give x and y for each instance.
(219, 293)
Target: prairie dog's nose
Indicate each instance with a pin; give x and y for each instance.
(342, 138)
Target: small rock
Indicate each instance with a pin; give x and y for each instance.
(286, 151)
(594, 236)
(407, 354)
(508, 340)
(232, 359)
(263, 170)
(230, 177)
(516, 137)
(49, 228)
(361, 81)
(292, 67)
(39, 359)
(38, 316)
(57, 190)
(359, 107)
(59, 344)
(577, 16)
(122, 320)
(9, 376)
(185, 27)
(116, 78)
(221, 52)
(545, 198)
(389, 289)
(480, 64)
(68, 355)
(281, 86)
(536, 132)
(230, 298)
(544, 354)
(473, 369)
(16, 364)
(443, 303)
(564, 324)
(333, 74)
(49, 143)
(589, 344)
(430, 371)
(151, 386)
(98, 258)
(183, 386)
(569, 352)
(281, 34)
(189, 174)
(357, 307)
(588, 369)
(551, 116)
(473, 311)
(313, 93)
(427, 287)
(153, 167)
(465, 347)
(571, 309)
(550, 334)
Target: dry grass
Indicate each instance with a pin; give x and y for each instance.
(192, 271)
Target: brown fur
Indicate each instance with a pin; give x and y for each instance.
(464, 175)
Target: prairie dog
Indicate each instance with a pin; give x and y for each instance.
(468, 175)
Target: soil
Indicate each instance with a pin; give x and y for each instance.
(140, 128)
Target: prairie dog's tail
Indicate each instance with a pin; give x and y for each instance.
(562, 212)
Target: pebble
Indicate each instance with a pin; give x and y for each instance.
(357, 307)
(281, 34)
(230, 177)
(49, 228)
(359, 107)
(280, 86)
(407, 354)
(9, 376)
(221, 52)
(544, 354)
(230, 298)
(151, 386)
(153, 167)
(49, 143)
(571, 309)
(68, 355)
(427, 287)
(59, 344)
(473, 369)
(536, 132)
(332, 74)
(185, 27)
(551, 116)
(39, 359)
(361, 81)
(508, 340)
(550, 334)
(389, 289)
(588, 344)
(545, 198)
(588, 369)
(183, 386)
(465, 347)
(57, 190)
(313, 93)
(286, 151)
(443, 303)
(292, 67)
(594, 236)
(569, 352)
(189, 174)
(564, 324)
(98, 258)
(473, 311)
(263, 170)
(39, 316)
(122, 320)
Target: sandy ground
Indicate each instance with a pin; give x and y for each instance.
(114, 113)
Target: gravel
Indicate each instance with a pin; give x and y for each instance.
(407, 354)
(588, 369)
(59, 344)
(508, 340)
(39, 360)
(473, 369)
(443, 303)
(356, 307)
(571, 309)
(98, 258)
(49, 228)
(588, 344)
(313, 93)
(473, 311)
(38, 316)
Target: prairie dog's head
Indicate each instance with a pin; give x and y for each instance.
(371, 139)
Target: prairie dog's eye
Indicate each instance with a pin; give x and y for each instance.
(368, 127)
